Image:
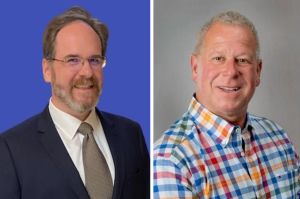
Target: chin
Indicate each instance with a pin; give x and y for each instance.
(82, 105)
(231, 110)
(81, 108)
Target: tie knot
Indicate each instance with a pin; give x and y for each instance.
(85, 129)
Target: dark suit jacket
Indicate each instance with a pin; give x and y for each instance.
(34, 163)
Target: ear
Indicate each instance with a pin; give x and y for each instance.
(194, 66)
(47, 73)
(258, 72)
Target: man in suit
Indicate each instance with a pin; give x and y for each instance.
(48, 155)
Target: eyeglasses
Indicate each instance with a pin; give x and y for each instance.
(96, 62)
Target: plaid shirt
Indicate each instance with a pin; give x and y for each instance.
(202, 156)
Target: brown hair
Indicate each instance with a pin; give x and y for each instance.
(70, 15)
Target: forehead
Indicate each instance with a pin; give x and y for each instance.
(229, 34)
(77, 36)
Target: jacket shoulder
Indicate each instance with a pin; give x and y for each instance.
(117, 119)
(27, 125)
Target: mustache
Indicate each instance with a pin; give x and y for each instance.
(86, 82)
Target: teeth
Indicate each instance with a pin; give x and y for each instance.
(83, 86)
(230, 88)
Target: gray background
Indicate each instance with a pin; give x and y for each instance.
(176, 24)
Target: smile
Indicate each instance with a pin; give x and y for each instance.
(229, 89)
(84, 86)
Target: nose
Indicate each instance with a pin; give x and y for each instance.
(231, 68)
(86, 70)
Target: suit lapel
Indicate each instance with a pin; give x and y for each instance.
(114, 141)
(55, 148)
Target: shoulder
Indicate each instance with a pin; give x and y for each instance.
(178, 154)
(179, 141)
(121, 125)
(24, 132)
(265, 123)
(266, 127)
(268, 132)
(22, 128)
(21, 137)
(125, 136)
(117, 119)
(176, 133)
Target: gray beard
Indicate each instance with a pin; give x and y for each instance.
(68, 100)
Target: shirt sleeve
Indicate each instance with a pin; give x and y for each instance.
(292, 158)
(172, 178)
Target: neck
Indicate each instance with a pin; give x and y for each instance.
(80, 116)
(241, 121)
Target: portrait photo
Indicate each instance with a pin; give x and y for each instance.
(176, 27)
(226, 99)
(76, 100)
(126, 88)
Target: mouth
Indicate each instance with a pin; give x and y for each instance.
(229, 89)
(84, 86)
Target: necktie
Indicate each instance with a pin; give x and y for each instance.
(98, 180)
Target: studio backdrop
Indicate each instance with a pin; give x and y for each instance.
(176, 24)
(126, 89)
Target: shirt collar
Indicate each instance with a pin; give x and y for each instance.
(68, 123)
(218, 129)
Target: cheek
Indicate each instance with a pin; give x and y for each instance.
(209, 75)
(205, 80)
(63, 79)
(99, 77)
(252, 77)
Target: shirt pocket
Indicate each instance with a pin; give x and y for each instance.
(288, 183)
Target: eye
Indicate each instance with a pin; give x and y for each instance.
(95, 61)
(243, 61)
(73, 60)
(218, 59)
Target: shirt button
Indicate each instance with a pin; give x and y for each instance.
(238, 130)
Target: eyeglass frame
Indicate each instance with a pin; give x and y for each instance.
(82, 60)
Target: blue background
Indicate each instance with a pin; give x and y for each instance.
(126, 88)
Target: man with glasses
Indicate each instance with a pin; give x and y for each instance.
(71, 149)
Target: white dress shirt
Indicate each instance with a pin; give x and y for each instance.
(67, 126)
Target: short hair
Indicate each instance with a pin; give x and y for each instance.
(73, 14)
(229, 17)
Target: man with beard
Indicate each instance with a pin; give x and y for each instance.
(71, 149)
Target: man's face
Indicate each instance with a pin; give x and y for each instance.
(75, 90)
(227, 71)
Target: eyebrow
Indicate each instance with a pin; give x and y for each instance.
(96, 56)
(72, 55)
(246, 55)
(92, 56)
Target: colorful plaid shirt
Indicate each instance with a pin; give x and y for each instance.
(202, 156)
